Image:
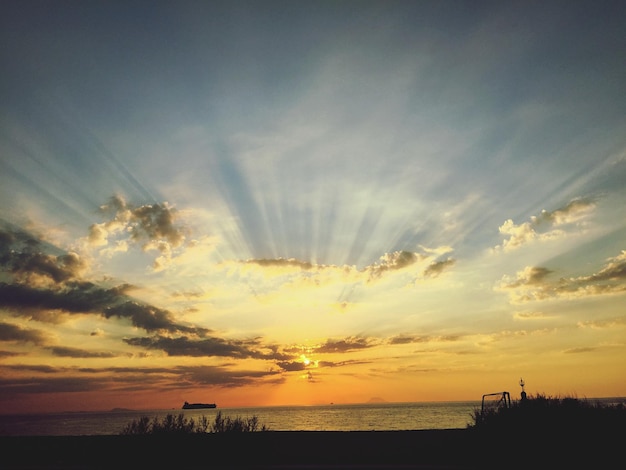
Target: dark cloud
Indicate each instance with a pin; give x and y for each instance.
(344, 345)
(58, 268)
(436, 268)
(340, 363)
(4, 354)
(531, 275)
(291, 366)
(146, 223)
(149, 318)
(7, 238)
(223, 377)
(65, 293)
(23, 256)
(407, 339)
(392, 262)
(282, 262)
(39, 368)
(208, 347)
(75, 297)
(37, 385)
(47, 379)
(536, 275)
(15, 333)
(87, 298)
(64, 351)
(155, 222)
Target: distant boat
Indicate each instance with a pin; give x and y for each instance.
(198, 406)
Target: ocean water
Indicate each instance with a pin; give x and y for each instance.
(356, 417)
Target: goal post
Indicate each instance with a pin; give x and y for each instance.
(495, 401)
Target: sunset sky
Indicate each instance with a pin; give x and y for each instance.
(305, 202)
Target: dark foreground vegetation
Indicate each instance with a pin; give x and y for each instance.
(538, 433)
(543, 414)
(176, 425)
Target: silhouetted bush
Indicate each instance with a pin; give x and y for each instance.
(237, 424)
(180, 424)
(551, 414)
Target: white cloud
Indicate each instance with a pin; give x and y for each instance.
(571, 218)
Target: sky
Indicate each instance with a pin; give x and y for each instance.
(297, 203)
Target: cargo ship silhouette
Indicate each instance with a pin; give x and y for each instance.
(198, 406)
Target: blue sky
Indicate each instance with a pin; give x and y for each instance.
(424, 197)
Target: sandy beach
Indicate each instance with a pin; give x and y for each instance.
(435, 449)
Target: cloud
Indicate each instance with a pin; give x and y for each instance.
(615, 270)
(533, 283)
(48, 305)
(46, 287)
(579, 350)
(530, 315)
(545, 226)
(276, 274)
(47, 379)
(151, 226)
(14, 333)
(65, 351)
(209, 347)
(40, 384)
(150, 318)
(403, 339)
(51, 304)
(144, 223)
(292, 366)
(604, 324)
(9, 354)
(392, 262)
(23, 257)
(282, 263)
(341, 363)
(75, 297)
(527, 277)
(350, 344)
(407, 339)
(437, 267)
(223, 377)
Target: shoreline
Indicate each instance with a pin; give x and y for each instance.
(444, 448)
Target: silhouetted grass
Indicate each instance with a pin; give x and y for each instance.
(180, 424)
(551, 414)
(237, 424)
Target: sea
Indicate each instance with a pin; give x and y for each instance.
(337, 417)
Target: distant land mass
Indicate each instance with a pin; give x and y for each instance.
(377, 400)
(122, 409)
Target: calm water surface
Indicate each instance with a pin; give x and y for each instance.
(358, 417)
